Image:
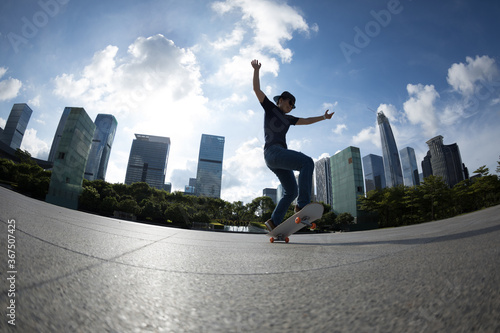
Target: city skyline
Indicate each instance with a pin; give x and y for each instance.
(432, 68)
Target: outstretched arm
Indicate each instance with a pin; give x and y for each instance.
(256, 81)
(312, 120)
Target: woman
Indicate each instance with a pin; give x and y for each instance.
(281, 160)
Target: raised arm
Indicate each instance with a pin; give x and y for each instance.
(256, 81)
(312, 120)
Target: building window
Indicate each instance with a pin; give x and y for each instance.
(350, 160)
(61, 155)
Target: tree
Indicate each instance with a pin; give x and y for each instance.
(90, 199)
(327, 221)
(344, 220)
(436, 196)
(483, 171)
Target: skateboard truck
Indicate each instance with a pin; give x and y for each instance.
(305, 220)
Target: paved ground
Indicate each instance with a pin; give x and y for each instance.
(76, 272)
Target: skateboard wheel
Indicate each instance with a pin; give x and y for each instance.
(313, 225)
(297, 219)
(287, 239)
(271, 239)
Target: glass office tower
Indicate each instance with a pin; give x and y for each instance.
(70, 159)
(392, 165)
(148, 160)
(104, 136)
(58, 134)
(323, 172)
(446, 161)
(12, 134)
(347, 181)
(209, 174)
(374, 172)
(410, 168)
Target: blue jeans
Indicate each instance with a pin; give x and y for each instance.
(282, 162)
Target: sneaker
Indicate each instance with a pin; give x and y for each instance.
(269, 225)
(297, 209)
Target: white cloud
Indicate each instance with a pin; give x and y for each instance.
(234, 39)
(270, 25)
(464, 78)
(2, 122)
(10, 87)
(420, 107)
(339, 129)
(35, 146)
(273, 23)
(369, 134)
(245, 172)
(390, 111)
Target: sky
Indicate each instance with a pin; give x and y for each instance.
(181, 69)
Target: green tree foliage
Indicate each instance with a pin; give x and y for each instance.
(432, 200)
(343, 221)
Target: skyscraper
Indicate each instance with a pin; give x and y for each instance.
(104, 136)
(271, 193)
(58, 134)
(392, 165)
(347, 181)
(12, 134)
(209, 173)
(148, 160)
(71, 158)
(410, 168)
(446, 161)
(323, 172)
(374, 172)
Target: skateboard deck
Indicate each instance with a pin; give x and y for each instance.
(297, 221)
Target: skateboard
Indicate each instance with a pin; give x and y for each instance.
(297, 221)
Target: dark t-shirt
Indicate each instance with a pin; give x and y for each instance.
(276, 124)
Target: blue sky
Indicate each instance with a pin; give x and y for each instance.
(182, 68)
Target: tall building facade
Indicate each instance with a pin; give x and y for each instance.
(71, 158)
(392, 165)
(374, 172)
(209, 173)
(148, 160)
(12, 134)
(58, 134)
(271, 193)
(445, 161)
(102, 142)
(323, 172)
(347, 182)
(410, 168)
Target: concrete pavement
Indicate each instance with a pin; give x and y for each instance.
(76, 272)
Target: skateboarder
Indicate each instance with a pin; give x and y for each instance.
(281, 160)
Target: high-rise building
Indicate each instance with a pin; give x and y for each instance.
(209, 173)
(148, 160)
(347, 182)
(426, 166)
(323, 172)
(374, 172)
(410, 168)
(104, 136)
(12, 134)
(392, 165)
(58, 134)
(70, 159)
(446, 161)
(271, 193)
